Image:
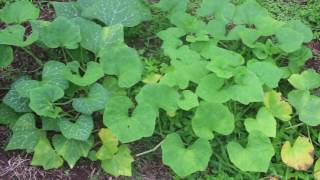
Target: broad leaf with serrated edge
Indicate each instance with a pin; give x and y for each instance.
(277, 105)
(264, 123)
(185, 161)
(42, 100)
(79, 130)
(45, 156)
(129, 128)
(212, 117)
(298, 156)
(94, 101)
(124, 62)
(92, 74)
(72, 150)
(255, 157)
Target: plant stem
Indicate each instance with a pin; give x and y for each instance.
(294, 126)
(150, 151)
(38, 61)
(64, 55)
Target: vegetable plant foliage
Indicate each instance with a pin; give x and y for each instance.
(233, 73)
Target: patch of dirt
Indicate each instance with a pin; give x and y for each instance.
(315, 61)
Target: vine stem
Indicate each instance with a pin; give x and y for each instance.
(149, 151)
(38, 61)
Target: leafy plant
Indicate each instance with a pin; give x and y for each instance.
(234, 88)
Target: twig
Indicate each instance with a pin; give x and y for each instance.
(149, 151)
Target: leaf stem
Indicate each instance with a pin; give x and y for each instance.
(149, 151)
(64, 103)
(64, 55)
(294, 126)
(38, 61)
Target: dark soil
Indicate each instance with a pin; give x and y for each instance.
(315, 61)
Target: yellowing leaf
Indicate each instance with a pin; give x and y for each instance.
(109, 144)
(316, 170)
(277, 106)
(300, 155)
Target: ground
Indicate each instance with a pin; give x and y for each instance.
(16, 164)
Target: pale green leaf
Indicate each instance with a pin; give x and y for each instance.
(6, 56)
(80, 130)
(307, 80)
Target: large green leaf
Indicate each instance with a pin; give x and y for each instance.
(298, 26)
(248, 11)
(173, 5)
(24, 87)
(109, 145)
(66, 9)
(120, 163)
(223, 62)
(298, 59)
(72, 150)
(25, 134)
(307, 106)
(124, 62)
(160, 96)
(42, 100)
(289, 40)
(128, 13)
(79, 130)
(264, 123)
(92, 74)
(62, 32)
(94, 37)
(187, 22)
(19, 12)
(268, 73)
(277, 105)
(45, 156)
(188, 100)
(53, 74)
(247, 87)
(211, 89)
(129, 128)
(15, 35)
(7, 115)
(255, 157)
(185, 161)
(211, 117)
(94, 101)
(6, 56)
(215, 7)
(14, 100)
(307, 80)
(298, 156)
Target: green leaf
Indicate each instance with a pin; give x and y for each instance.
(95, 38)
(185, 161)
(268, 73)
(255, 157)
(277, 105)
(298, 26)
(307, 80)
(211, 89)
(49, 124)
(111, 12)
(94, 101)
(42, 100)
(298, 59)
(45, 156)
(212, 117)
(112, 87)
(19, 12)
(266, 25)
(24, 87)
(14, 100)
(120, 164)
(109, 145)
(53, 74)
(249, 37)
(171, 38)
(223, 62)
(62, 32)
(217, 29)
(298, 156)
(79, 130)
(188, 100)
(214, 7)
(248, 11)
(173, 5)
(306, 105)
(6, 56)
(316, 170)
(7, 115)
(159, 96)
(92, 74)
(247, 87)
(25, 134)
(187, 22)
(72, 150)
(129, 128)
(124, 62)
(289, 40)
(15, 35)
(264, 123)
(66, 9)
